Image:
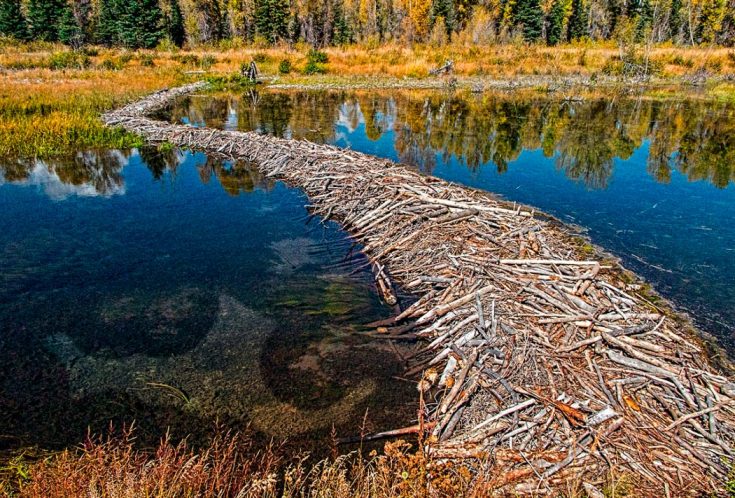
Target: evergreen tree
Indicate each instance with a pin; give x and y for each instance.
(642, 14)
(175, 24)
(70, 33)
(577, 21)
(271, 19)
(444, 9)
(12, 22)
(44, 17)
(149, 24)
(129, 23)
(342, 32)
(530, 16)
(106, 26)
(614, 11)
(676, 20)
(555, 23)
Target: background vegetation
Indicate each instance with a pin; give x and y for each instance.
(320, 23)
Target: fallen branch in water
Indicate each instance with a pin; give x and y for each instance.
(404, 431)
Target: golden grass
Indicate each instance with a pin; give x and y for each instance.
(46, 112)
(500, 61)
(230, 466)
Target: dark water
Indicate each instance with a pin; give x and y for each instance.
(651, 181)
(176, 291)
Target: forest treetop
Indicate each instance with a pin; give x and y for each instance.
(147, 23)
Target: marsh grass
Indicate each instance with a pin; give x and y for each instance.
(46, 113)
(50, 97)
(230, 466)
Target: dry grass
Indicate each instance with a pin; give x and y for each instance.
(50, 98)
(497, 61)
(232, 467)
(44, 112)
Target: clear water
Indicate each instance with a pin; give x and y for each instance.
(176, 291)
(651, 181)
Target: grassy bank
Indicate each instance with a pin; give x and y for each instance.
(393, 60)
(49, 110)
(50, 97)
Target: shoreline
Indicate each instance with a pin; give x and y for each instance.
(479, 84)
(499, 319)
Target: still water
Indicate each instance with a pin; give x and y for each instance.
(179, 292)
(650, 180)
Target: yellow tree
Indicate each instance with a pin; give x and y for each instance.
(417, 20)
(710, 20)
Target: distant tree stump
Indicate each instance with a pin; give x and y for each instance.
(447, 68)
(250, 72)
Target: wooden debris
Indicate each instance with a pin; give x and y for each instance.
(541, 351)
(445, 68)
(250, 72)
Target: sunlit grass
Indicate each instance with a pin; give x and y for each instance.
(50, 98)
(44, 113)
(230, 466)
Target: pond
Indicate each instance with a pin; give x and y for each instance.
(178, 292)
(650, 180)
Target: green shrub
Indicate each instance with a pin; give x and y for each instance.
(126, 57)
(207, 61)
(317, 57)
(229, 82)
(111, 64)
(91, 51)
(284, 67)
(187, 60)
(314, 68)
(146, 60)
(260, 57)
(68, 60)
(166, 45)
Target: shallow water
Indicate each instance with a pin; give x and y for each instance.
(651, 181)
(176, 291)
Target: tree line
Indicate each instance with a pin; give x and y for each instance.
(146, 23)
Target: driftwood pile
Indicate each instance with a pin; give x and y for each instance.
(540, 362)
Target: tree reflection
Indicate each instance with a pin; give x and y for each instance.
(88, 173)
(585, 137)
(99, 173)
(159, 160)
(235, 177)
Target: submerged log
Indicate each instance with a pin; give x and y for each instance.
(551, 367)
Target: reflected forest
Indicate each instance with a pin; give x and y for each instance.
(99, 173)
(584, 137)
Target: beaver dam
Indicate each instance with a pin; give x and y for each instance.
(538, 363)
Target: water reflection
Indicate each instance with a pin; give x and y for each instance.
(648, 178)
(85, 174)
(584, 137)
(174, 290)
(99, 172)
